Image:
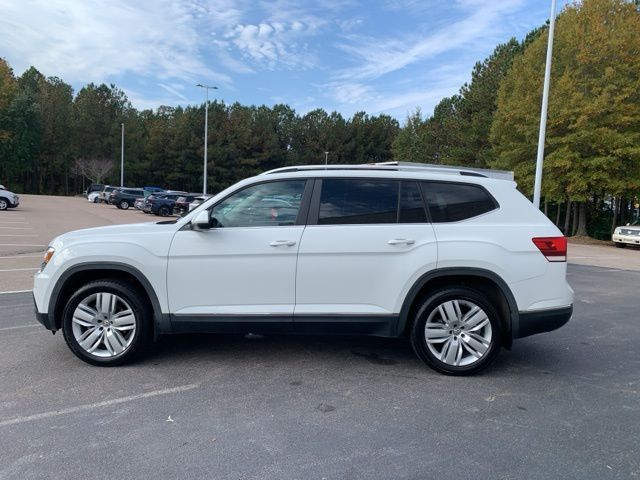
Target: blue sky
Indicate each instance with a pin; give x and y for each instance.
(386, 56)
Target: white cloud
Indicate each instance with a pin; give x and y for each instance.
(94, 40)
(269, 45)
(376, 57)
(175, 89)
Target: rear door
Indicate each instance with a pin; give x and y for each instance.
(367, 240)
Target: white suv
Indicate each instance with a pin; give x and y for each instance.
(459, 262)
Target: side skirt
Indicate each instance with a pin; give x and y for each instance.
(375, 325)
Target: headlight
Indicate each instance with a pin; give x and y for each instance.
(47, 256)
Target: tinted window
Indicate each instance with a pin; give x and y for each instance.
(263, 205)
(452, 202)
(411, 204)
(355, 201)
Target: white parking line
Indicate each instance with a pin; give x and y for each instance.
(106, 403)
(20, 256)
(18, 269)
(20, 326)
(16, 228)
(15, 291)
(21, 245)
(17, 235)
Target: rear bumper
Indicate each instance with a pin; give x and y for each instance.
(540, 321)
(628, 239)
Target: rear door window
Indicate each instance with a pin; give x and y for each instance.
(453, 202)
(345, 201)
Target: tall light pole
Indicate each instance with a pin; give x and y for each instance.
(206, 130)
(122, 154)
(326, 158)
(545, 104)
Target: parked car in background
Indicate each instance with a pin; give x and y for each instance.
(8, 199)
(94, 187)
(627, 235)
(198, 201)
(181, 206)
(94, 197)
(139, 203)
(104, 195)
(162, 204)
(143, 204)
(123, 198)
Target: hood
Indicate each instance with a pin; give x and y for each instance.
(113, 232)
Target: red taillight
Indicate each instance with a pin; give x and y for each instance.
(553, 248)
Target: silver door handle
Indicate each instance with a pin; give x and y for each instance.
(283, 243)
(401, 241)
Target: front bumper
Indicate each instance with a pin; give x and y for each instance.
(540, 321)
(43, 318)
(628, 239)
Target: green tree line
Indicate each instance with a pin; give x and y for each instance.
(50, 138)
(591, 177)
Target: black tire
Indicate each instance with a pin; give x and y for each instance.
(96, 200)
(124, 205)
(3, 204)
(164, 211)
(141, 310)
(430, 304)
(620, 244)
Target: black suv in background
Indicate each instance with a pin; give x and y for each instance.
(124, 197)
(162, 204)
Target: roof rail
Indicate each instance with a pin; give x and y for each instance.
(403, 166)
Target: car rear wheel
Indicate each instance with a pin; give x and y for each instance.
(124, 205)
(3, 204)
(456, 331)
(164, 211)
(105, 323)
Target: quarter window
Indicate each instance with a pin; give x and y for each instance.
(358, 201)
(452, 202)
(269, 204)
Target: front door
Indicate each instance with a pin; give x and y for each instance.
(244, 267)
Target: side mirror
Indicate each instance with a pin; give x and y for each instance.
(201, 222)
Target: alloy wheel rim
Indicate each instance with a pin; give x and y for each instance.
(3, 204)
(458, 332)
(104, 325)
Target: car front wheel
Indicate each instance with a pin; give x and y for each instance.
(105, 323)
(3, 204)
(619, 244)
(456, 331)
(124, 205)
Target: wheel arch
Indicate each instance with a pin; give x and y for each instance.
(485, 281)
(86, 272)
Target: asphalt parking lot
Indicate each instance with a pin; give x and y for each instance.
(560, 405)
